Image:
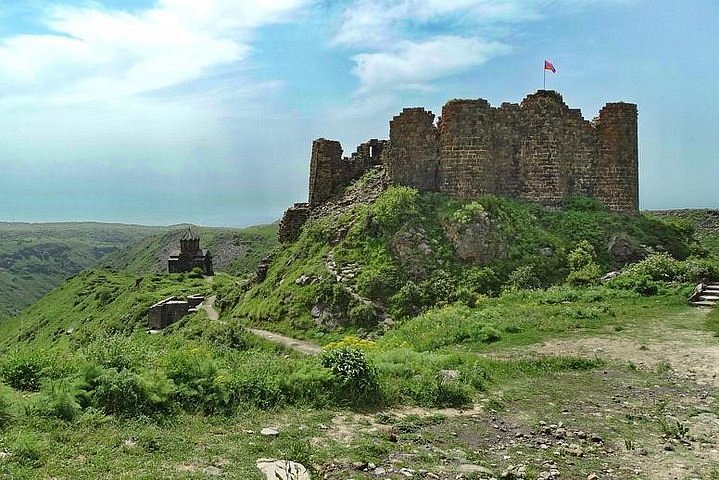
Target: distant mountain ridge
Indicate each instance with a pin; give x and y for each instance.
(37, 257)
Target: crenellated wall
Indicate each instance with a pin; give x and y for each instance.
(539, 150)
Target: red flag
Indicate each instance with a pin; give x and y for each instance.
(548, 66)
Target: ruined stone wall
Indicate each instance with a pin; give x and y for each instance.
(466, 154)
(617, 169)
(412, 157)
(329, 171)
(540, 150)
(292, 222)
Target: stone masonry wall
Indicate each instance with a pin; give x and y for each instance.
(292, 222)
(412, 157)
(617, 170)
(540, 150)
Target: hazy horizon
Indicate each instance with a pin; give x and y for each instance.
(160, 112)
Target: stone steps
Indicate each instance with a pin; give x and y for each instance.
(705, 295)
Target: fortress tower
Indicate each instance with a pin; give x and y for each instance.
(539, 150)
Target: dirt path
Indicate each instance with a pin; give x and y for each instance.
(299, 345)
(209, 306)
(691, 354)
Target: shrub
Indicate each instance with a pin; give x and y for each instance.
(439, 289)
(489, 334)
(22, 371)
(468, 213)
(5, 407)
(583, 204)
(230, 335)
(641, 284)
(658, 266)
(394, 207)
(58, 399)
(700, 269)
(363, 314)
(522, 278)
(28, 449)
(357, 377)
(482, 280)
(444, 392)
(126, 393)
(200, 383)
(116, 351)
(408, 302)
(379, 282)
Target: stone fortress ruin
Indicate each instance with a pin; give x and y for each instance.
(539, 150)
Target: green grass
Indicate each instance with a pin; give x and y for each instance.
(236, 251)
(527, 246)
(37, 257)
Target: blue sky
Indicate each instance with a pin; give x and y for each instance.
(168, 111)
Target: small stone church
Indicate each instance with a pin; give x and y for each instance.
(190, 255)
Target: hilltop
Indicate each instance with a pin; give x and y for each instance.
(377, 253)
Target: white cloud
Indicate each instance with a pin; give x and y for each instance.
(93, 53)
(412, 65)
(403, 46)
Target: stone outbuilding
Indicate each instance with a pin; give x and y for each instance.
(190, 256)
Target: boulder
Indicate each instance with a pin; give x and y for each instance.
(282, 470)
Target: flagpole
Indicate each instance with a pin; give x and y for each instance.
(544, 69)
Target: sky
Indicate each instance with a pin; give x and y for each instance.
(172, 111)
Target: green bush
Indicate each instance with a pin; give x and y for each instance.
(309, 385)
(700, 270)
(116, 351)
(394, 207)
(443, 392)
(380, 282)
(58, 399)
(583, 204)
(363, 314)
(467, 213)
(658, 266)
(439, 288)
(641, 284)
(408, 301)
(523, 278)
(126, 393)
(482, 280)
(22, 371)
(583, 268)
(357, 377)
(200, 383)
(230, 335)
(27, 449)
(6, 415)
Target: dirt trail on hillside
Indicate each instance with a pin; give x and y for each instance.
(209, 306)
(299, 345)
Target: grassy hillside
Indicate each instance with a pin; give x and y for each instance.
(461, 339)
(86, 393)
(35, 258)
(704, 221)
(393, 257)
(235, 250)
